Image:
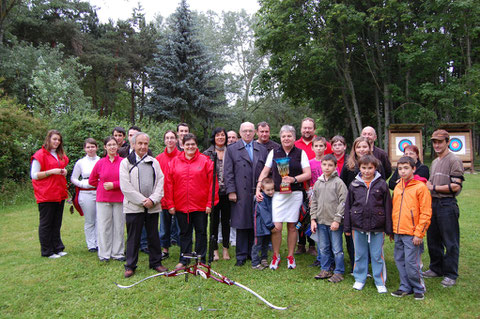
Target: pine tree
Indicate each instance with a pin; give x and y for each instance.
(183, 81)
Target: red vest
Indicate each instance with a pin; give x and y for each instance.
(54, 187)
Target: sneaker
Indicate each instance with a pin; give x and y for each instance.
(62, 253)
(54, 256)
(400, 293)
(165, 255)
(358, 285)
(418, 296)
(275, 262)
(119, 258)
(259, 267)
(430, 274)
(264, 263)
(382, 289)
(336, 278)
(93, 250)
(448, 282)
(291, 262)
(324, 274)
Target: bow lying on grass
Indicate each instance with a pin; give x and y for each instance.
(205, 271)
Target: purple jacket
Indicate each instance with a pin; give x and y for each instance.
(368, 209)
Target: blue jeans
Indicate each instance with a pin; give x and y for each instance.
(331, 242)
(260, 245)
(443, 237)
(169, 229)
(365, 242)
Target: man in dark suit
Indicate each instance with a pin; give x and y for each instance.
(243, 162)
(381, 155)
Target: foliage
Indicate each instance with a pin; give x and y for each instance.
(20, 136)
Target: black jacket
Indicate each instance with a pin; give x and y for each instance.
(368, 209)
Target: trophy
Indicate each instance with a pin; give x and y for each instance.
(283, 170)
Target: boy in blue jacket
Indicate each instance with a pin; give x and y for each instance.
(263, 225)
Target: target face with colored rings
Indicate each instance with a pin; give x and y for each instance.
(455, 144)
(404, 143)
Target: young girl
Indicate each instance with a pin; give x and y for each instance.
(319, 145)
(368, 215)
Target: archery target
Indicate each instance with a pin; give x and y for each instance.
(457, 144)
(402, 142)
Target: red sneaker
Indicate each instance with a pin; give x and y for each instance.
(291, 262)
(275, 262)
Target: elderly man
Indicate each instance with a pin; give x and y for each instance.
(307, 129)
(141, 182)
(443, 236)
(263, 133)
(243, 162)
(381, 155)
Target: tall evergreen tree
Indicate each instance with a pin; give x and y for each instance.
(184, 83)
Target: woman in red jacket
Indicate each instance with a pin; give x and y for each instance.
(188, 192)
(105, 176)
(50, 187)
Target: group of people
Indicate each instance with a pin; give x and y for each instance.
(254, 187)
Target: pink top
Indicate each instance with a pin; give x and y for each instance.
(316, 167)
(105, 171)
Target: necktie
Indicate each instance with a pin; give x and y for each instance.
(250, 151)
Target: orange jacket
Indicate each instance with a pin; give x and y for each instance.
(412, 208)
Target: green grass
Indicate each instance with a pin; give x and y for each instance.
(79, 286)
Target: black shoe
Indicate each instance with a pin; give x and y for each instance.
(316, 263)
(400, 293)
(418, 296)
(104, 260)
(93, 250)
(165, 255)
(240, 263)
(120, 259)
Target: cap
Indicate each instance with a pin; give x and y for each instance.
(440, 135)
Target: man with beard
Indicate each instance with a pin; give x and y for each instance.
(307, 129)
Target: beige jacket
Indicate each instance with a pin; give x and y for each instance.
(129, 184)
(328, 200)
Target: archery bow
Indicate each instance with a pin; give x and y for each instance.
(205, 271)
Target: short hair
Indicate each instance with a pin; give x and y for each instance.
(338, 138)
(246, 123)
(330, 157)
(169, 131)
(188, 137)
(287, 128)
(319, 139)
(406, 160)
(134, 138)
(308, 119)
(265, 181)
(182, 124)
(135, 128)
(90, 140)
(368, 159)
(119, 129)
(412, 148)
(108, 139)
(263, 124)
(215, 132)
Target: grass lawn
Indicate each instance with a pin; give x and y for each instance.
(79, 286)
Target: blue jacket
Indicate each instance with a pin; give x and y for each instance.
(263, 217)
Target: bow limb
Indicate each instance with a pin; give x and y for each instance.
(259, 297)
(146, 278)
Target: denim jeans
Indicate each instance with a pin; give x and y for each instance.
(443, 237)
(365, 242)
(169, 229)
(260, 245)
(331, 242)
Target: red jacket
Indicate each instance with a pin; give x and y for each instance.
(164, 160)
(54, 187)
(188, 183)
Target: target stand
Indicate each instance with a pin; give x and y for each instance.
(401, 135)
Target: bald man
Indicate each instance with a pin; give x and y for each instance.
(381, 155)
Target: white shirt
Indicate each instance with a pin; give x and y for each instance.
(304, 159)
(83, 167)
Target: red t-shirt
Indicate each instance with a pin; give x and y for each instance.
(308, 148)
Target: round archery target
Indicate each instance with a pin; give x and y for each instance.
(404, 143)
(456, 145)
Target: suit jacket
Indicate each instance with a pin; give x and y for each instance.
(240, 177)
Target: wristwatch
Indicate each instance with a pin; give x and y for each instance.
(295, 180)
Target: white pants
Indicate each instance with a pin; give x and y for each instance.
(110, 230)
(87, 201)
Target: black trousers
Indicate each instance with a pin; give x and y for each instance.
(244, 244)
(51, 215)
(135, 223)
(221, 212)
(302, 240)
(188, 222)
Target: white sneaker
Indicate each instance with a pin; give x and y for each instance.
(382, 289)
(54, 256)
(275, 262)
(291, 262)
(358, 285)
(62, 253)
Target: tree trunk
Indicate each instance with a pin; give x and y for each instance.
(350, 113)
(351, 88)
(132, 102)
(386, 102)
(379, 118)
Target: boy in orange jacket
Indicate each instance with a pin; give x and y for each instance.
(411, 214)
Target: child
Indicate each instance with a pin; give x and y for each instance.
(327, 209)
(319, 145)
(368, 214)
(263, 225)
(412, 211)
(339, 145)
